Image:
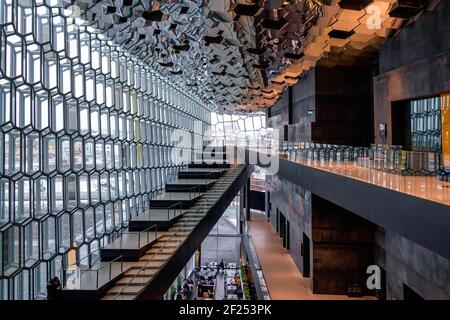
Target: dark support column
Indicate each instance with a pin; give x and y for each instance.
(267, 204)
(242, 216)
(247, 200)
(343, 248)
(290, 112)
(198, 257)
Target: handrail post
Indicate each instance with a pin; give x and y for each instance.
(139, 239)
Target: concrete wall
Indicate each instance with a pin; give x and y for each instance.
(343, 248)
(295, 203)
(329, 105)
(303, 100)
(414, 64)
(420, 40)
(279, 115)
(425, 78)
(405, 262)
(343, 106)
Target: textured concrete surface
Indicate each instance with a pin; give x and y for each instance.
(413, 64)
(282, 276)
(294, 203)
(404, 261)
(343, 248)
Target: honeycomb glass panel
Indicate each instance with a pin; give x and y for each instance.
(32, 154)
(22, 285)
(4, 202)
(57, 113)
(42, 112)
(13, 56)
(83, 189)
(64, 154)
(22, 199)
(40, 279)
(85, 129)
(70, 191)
(40, 198)
(99, 221)
(50, 70)
(56, 194)
(49, 153)
(33, 63)
(63, 232)
(89, 227)
(248, 129)
(89, 154)
(3, 287)
(77, 226)
(48, 231)
(31, 243)
(11, 250)
(5, 102)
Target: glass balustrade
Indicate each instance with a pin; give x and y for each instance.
(387, 158)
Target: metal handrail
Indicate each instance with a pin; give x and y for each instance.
(151, 259)
(173, 206)
(211, 177)
(63, 269)
(144, 266)
(189, 191)
(77, 262)
(109, 263)
(197, 187)
(138, 233)
(110, 269)
(138, 204)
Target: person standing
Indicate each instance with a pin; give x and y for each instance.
(53, 289)
(221, 265)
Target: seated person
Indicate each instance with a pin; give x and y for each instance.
(186, 287)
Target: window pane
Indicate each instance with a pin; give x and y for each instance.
(85, 131)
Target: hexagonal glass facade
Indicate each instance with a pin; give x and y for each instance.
(239, 129)
(85, 136)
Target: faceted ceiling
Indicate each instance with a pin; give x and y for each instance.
(243, 54)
